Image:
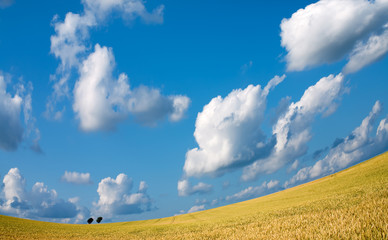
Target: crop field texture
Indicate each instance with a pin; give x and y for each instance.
(351, 204)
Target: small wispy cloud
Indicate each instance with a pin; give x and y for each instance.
(244, 68)
(196, 208)
(252, 192)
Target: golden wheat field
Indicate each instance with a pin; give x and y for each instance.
(351, 204)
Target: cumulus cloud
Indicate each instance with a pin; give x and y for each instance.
(185, 188)
(293, 129)
(69, 44)
(100, 101)
(12, 130)
(249, 192)
(196, 208)
(364, 54)
(76, 178)
(358, 146)
(148, 105)
(228, 131)
(38, 203)
(252, 192)
(329, 30)
(180, 104)
(115, 197)
(96, 93)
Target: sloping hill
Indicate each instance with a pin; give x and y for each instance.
(351, 204)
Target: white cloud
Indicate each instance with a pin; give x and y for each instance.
(375, 48)
(249, 192)
(115, 197)
(179, 104)
(196, 208)
(244, 68)
(38, 203)
(228, 131)
(293, 166)
(272, 184)
(143, 186)
(328, 30)
(186, 189)
(70, 42)
(76, 177)
(12, 130)
(148, 105)
(100, 101)
(252, 192)
(96, 93)
(293, 129)
(201, 201)
(14, 185)
(229, 136)
(358, 146)
(301, 175)
(319, 98)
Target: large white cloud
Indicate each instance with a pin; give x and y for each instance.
(76, 177)
(70, 40)
(358, 146)
(327, 31)
(292, 131)
(38, 203)
(12, 130)
(96, 93)
(115, 197)
(228, 131)
(185, 188)
(100, 101)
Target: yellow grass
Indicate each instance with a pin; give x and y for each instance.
(352, 204)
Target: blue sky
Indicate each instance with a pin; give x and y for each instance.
(135, 110)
